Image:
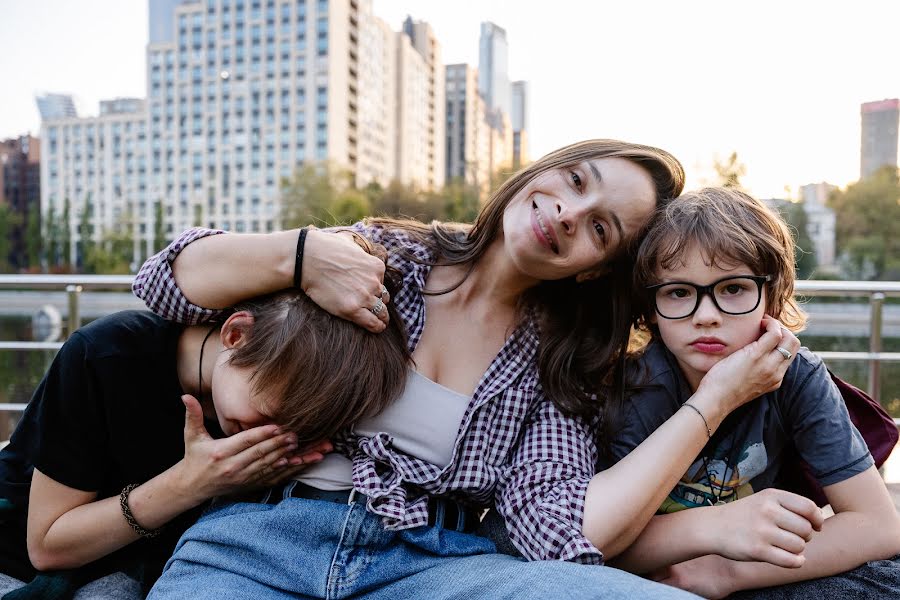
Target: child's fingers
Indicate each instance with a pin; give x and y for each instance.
(193, 419)
(794, 523)
(772, 334)
(265, 452)
(781, 558)
(804, 507)
(247, 440)
(789, 541)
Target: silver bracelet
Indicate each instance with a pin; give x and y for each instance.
(705, 423)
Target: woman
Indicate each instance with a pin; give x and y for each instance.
(97, 482)
(527, 311)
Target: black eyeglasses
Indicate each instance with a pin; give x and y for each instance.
(735, 295)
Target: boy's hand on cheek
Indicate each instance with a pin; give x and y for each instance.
(755, 369)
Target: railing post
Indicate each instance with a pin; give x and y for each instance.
(74, 320)
(876, 304)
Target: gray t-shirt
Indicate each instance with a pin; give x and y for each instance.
(746, 452)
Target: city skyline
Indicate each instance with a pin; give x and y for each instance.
(780, 91)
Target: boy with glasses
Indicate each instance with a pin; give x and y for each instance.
(714, 264)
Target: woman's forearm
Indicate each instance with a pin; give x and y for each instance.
(622, 499)
(219, 271)
(667, 540)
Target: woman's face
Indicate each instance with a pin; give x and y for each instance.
(573, 220)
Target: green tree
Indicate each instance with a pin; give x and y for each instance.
(349, 207)
(400, 200)
(313, 195)
(805, 257)
(198, 214)
(159, 227)
(85, 237)
(52, 234)
(868, 226)
(33, 241)
(461, 202)
(729, 171)
(112, 255)
(65, 238)
(8, 220)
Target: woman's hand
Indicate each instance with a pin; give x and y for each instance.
(770, 526)
(256, 457)
(344, 279)
(753, 370)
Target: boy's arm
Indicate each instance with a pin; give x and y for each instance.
(772, 526)
(865, 527)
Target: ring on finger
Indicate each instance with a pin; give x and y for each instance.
(384, 293)
(378, 308)
(784, 352)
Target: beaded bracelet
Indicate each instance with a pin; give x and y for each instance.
(697, 410)
(129, 518)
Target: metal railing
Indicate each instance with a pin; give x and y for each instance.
(875, 291)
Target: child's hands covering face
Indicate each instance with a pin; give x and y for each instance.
(258, 457)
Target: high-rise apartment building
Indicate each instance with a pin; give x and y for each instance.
(879, 135)
(493, 68)
(420, 107)
(241, 92)
(20, 191)
(519, 120)
(98, 168)
(468, 136)
(56, 106)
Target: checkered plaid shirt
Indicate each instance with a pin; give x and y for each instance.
(513, 448)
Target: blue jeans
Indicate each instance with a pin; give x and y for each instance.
(302, 548)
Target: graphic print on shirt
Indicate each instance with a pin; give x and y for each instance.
(721, 477)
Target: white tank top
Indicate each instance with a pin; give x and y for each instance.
(423, 423)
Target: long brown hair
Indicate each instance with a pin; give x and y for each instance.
(324, 373)
(583, 327)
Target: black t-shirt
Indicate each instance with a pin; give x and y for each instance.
(107, 413)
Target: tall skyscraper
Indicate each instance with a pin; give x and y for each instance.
(20, 190)
(56, 106)
(241, 92)
(493, 68)
(879, 137)
(519, 119)
(420, 107)
(468, 141)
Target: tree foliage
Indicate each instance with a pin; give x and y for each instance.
(805, 257)
(8, 220)
(320, 195)
(730, 171)
(868, 226)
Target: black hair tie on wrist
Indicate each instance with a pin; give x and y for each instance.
(298, 261)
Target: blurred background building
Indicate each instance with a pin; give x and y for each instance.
(879, 137)
(242, 92)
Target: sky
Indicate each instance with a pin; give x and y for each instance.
(778, 82)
